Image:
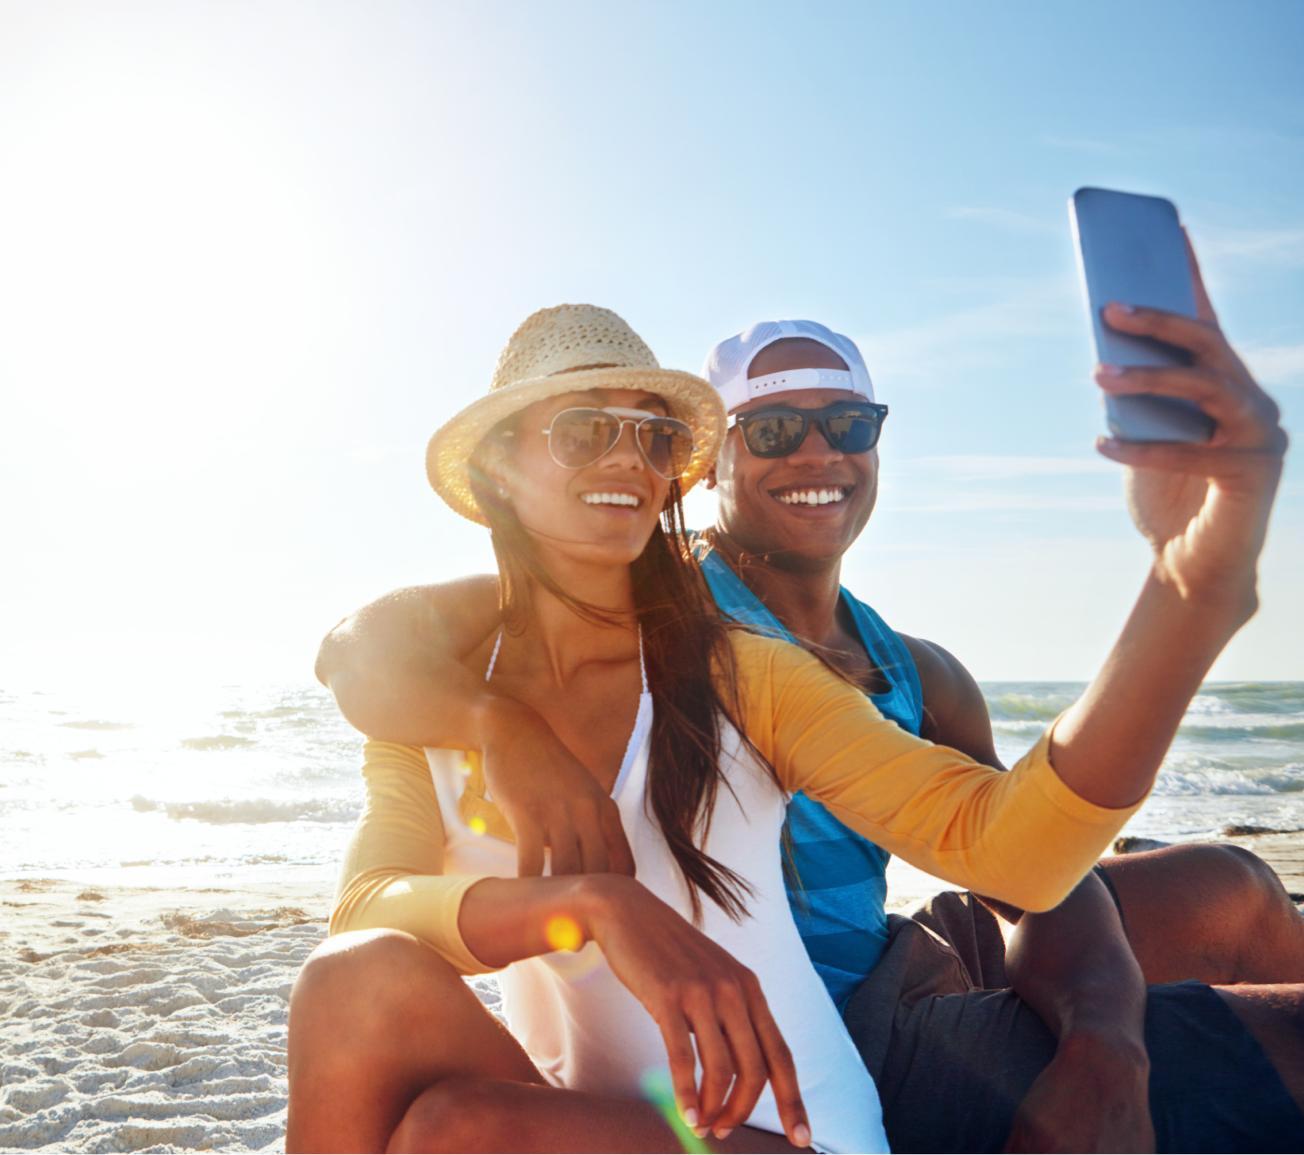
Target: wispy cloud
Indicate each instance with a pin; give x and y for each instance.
(959, 483)
(1006, 219)
(1283, 247)
(990, 467)
(1012, 502)
(981, 336)
(1276, 364)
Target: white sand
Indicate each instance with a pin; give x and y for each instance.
(149, 1019)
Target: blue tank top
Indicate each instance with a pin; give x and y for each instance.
(840, 908)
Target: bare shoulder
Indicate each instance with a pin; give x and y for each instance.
(955, 711)
(454, 616)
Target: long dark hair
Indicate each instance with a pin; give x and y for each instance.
(690, 670)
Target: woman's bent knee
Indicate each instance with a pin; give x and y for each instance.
(356, 990)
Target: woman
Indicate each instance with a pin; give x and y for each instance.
(389, 1048)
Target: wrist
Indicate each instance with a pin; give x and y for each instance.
(495, 718)
(597, 900)
(1227, 597)
(1104, 1044)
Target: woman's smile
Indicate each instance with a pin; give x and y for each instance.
(614, 499)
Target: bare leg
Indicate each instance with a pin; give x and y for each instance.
(1274, 1015)
(375, 1019)
(1211, 912)
(389, 1049)
(482, 1115)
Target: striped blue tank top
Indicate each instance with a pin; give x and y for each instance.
(840, 911)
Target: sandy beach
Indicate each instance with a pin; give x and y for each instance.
(149, 1019)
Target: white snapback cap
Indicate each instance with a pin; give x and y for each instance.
(726, 365)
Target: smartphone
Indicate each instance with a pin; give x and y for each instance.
(1131, 250)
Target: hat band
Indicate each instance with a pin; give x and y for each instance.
(742, 390)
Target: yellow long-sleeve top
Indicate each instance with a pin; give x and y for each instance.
(1021, 836)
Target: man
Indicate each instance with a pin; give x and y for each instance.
(796, 488)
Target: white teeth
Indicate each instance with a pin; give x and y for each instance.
(813, 496)
(610, 499)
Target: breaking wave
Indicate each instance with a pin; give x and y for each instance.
(253, 811)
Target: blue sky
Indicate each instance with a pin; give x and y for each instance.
(252, 255)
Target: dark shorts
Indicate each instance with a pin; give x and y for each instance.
(953, 1064)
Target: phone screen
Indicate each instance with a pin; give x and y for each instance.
(1131, 249)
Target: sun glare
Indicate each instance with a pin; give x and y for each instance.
(164, 265)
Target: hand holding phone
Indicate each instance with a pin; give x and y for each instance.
(1202, 504)
(1131, 249)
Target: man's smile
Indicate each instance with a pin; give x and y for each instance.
(812, 494)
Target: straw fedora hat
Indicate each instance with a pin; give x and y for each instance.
(544, 358)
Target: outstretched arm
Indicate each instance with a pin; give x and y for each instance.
(395, 668)
(1204, 510)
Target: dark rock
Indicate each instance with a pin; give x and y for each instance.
(1134, 844)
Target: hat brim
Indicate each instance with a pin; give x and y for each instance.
(690, 398)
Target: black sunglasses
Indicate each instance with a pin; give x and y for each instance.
(848, 427)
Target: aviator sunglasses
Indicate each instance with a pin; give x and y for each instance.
(848, 427)
(579, 437)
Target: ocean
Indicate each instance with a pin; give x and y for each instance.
(186, 786)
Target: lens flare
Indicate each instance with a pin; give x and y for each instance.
(563, 933)
(476, 825)
(659, 1091)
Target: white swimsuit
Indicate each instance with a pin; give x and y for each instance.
(582, 1027)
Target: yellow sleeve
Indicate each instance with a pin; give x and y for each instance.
(1022, 836)
(393, 871)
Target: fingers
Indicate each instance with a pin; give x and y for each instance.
(602, 838)
(747, 1062)
(593, 851)
(1203, 338)
(739, 1048)
(683, 1066)
(529, 851)
(566, 856)
(1246, 417)
(783, 1073)
(619, 855)
(717, 1062)
(1198, 460)
(760, 1055)
(589, 838)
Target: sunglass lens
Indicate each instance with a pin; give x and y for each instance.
(580, 436)
(667, 445)
(853, 432)
(775, 434)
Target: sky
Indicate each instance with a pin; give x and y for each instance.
(253, 254)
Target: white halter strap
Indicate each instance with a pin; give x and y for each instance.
(642, 667)
(498, 645)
